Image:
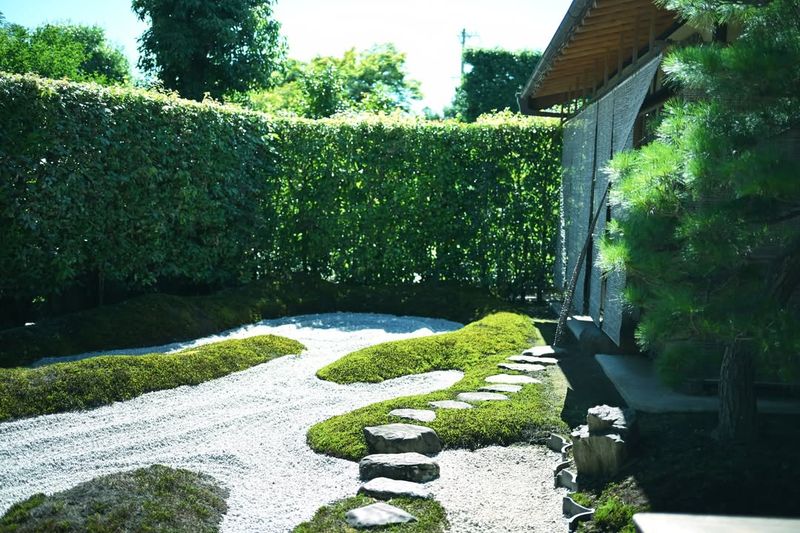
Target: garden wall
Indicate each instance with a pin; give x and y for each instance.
(133, 187)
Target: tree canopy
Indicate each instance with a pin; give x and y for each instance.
(373, 80)
(197, 47)
(491, 81)
(77, 52)
(710, 238)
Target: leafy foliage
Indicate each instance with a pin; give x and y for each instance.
(370, 81)
(80, 53)
(156, 498)
(491, 84)
(102, 380)
(134, 187)
(710, 238)
(476, 350)
(198, 47)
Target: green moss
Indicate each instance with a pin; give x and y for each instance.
(476, 350)
(430, 515)
(102, 380)
(612, 514)
(161, 318)
(157, 498)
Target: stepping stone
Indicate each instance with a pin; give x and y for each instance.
(383, 488)
(501, 387)
(520, 367)
(423, 415)
(377, 515)
(539, 351)
(481, 397)
(511, 379)
(532, 359)
(403, 466)
(450, 404)
(400, 438)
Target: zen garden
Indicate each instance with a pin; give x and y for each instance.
(256, 276)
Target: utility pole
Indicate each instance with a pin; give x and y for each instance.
(464, 36)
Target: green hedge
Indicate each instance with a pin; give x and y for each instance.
(123, 185)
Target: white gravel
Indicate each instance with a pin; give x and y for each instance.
(248, 431)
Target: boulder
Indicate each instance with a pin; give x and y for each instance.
(377, 515)
(520, 367)
(450, 404)
(601, 418)
(423, 415)
(400, 438)
(600, 455)
(481, 397)
(384, 488)
(403, 466)
(511, 379)
(534, 360)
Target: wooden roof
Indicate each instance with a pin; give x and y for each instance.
(596, 39)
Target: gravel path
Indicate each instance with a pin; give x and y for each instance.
(248, 431)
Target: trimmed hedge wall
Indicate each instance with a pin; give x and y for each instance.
(135, 187)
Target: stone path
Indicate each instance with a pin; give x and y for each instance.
(397, 464)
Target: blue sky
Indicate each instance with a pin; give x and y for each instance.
(426, 30)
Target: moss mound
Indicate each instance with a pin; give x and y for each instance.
(102, 380)
(157, 498)
(431, 517)
(476, 350)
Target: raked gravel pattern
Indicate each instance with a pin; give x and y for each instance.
(248, 430)
(500, 490)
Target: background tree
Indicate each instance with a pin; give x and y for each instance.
(373, 80)
(197, 47)
(492, 81)
(711, 233)
(77, 52)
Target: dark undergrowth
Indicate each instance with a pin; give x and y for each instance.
(155, 319)
(157, 498)
(680, 468)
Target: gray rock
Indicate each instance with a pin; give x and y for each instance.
(450, 404)
(403, 466)
(598, 455)
(501, 387)
(399, 438)
(481, 397)
(533, 359)
(540, 351)
(568, 479)
(384, 488)
(377, 515)
(423, 415)
(519, 367)
(511, 379)
(602, 418)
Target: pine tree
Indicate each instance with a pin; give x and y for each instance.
(710, 238)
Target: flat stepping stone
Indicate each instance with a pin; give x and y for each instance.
(384, 488)
(403, 466)
(423, 415)
(501, 387)
(534, 360)
(520, 367)
(541, 351)
(400, 438)
(450, 404)
(481, 397)
(377, 515)
(511, 379)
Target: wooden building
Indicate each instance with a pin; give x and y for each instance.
(601, 73)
